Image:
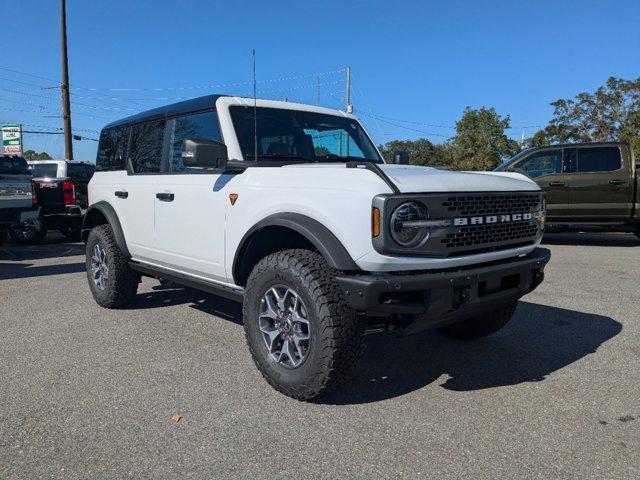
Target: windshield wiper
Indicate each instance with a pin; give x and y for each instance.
(332, 157)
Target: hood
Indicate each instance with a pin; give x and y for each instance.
(414, 179)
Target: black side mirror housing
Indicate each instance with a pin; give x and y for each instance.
(203, 153)
(401, 157)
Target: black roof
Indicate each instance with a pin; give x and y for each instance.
(193, 105)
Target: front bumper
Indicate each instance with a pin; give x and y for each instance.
(441, 297)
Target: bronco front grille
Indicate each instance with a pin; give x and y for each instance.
(471, 223)
(487, 235)
(483, 204)
(478, 238)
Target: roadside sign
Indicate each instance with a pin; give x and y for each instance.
(12, 139)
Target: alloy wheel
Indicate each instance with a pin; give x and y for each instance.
(99, 268)
(284, 324)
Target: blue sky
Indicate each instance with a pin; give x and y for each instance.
(412, 61)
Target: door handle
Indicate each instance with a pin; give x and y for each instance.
(165, 197)
(121, 194)
(616, 182)
(557, 184)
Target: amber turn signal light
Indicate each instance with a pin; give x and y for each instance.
(375, 222)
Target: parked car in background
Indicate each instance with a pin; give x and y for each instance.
(60, 187)
(17, 201)
(589, 186)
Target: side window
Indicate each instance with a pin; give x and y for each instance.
(199, 125)
(146, 146)
(112, 149)
(542, 163)
(599, 159)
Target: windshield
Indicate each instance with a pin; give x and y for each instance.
(503, 166)
(301, 135)
(44, 170)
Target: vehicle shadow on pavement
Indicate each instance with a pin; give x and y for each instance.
(167, 295)
(592, 239)
(27, 270)
(50, 249)
(540, 340)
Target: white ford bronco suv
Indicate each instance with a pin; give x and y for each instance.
(291, 210)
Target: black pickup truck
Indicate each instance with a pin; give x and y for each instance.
(60, 187)
(589, 186)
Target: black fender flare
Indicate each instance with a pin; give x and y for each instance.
(316, 233)
(112, 218)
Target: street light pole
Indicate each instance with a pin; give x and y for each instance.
(64, 86)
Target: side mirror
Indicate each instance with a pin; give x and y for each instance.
(401, 157)
(204, 153)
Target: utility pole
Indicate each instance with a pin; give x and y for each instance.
(347, 95)
(64, 86)
(318, 90)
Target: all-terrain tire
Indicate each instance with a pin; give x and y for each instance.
(336, 332)
(480, 326)
(30, 234)
(121, 284)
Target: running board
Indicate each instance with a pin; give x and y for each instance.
(235, 294)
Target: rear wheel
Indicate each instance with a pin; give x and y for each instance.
(30, 232)
(111, 280)
(637, 234)
(481, 325)
(303, 336)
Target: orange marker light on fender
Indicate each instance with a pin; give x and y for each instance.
(233, 197)
(375, 222)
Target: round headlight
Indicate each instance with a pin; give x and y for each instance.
(403, 224)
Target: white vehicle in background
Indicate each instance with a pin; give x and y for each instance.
(290, 209)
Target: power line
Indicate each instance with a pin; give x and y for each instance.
(219, 85)
(85, 105)
(48, 111)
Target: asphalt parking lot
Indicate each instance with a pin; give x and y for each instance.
(89, 393)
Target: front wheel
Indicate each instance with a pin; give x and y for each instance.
(637, 234)
(480, 325)
(303, 336)
(29, 232)
(111, 280)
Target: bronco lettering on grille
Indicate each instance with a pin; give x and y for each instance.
(513, 217)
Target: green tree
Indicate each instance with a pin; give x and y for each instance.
(480, 142)
(421, 152)
(33, 155)
(611, 113)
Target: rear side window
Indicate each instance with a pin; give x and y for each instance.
(542, 163)
(197, 126)
(13, 166)
(601, 159)
(112, 149)
(146, 146)
(44, 170)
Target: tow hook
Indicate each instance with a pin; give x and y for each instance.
(461, 295)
